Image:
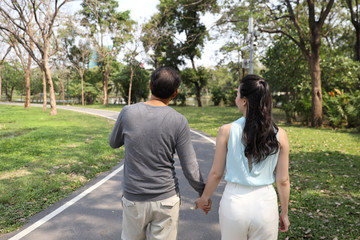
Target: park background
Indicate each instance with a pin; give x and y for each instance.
(98, 56)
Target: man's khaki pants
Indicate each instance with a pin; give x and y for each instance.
(158, 219)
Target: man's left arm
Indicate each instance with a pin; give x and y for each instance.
(116, 139)
(187, 157)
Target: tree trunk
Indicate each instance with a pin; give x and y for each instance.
(198, 95)
(27, 77)
(82, 88)
(0, 82)
(357, 44)
(27, 88)
(106, 82)
(49, 81)
(131, 80)
(51, 91)
(198, 89)
(44, 91)
(62, 85)
(315, 72)
(9, 94)
(316, 120)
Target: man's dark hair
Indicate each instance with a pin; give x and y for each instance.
(164, 82)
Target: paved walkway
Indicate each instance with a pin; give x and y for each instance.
(94, 212)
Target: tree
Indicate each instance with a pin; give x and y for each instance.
(25, 61)
(131, 53)
(12, 79)
(45, 13)
(78, 54)
(159, 39)
(223, 82)
(289, 19)
(103, 21)
(289, 82)
(183, 18)
(353, 6)
(26, 64)
(2, 60)
(196, 79)
(233, 30)
(36, 83)
(140, 88)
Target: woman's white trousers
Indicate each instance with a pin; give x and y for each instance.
(248, 212)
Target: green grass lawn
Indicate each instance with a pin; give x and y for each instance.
(324, 166)
(44, 158)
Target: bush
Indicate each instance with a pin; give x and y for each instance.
(342, 109)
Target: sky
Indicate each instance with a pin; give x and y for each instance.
(142, 10)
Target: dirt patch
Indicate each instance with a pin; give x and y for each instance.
(14, 174)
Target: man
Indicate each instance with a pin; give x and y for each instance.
(151, 133)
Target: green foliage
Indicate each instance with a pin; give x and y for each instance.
(92, 85)
(233, 30)
(177, 18)
(195, 80)
(341, 91)
(222, 86)
(12, 76)
(94, 76)
(158, 38)
(339, 72)
(90, 91)
(101, 17)
(102, 20)
(342, 109)
(181, 96)
(287, 74)
(140, 84)
(192, 78)
(36, 81)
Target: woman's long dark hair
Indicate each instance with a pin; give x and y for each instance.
(259, 134)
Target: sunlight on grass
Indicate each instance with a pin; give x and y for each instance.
(45, 158)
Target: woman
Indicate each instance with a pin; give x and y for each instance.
(256, 154)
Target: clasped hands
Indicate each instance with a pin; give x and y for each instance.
(204, 204)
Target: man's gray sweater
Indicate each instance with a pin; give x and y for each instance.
(151, 135)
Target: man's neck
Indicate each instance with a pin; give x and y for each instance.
(155, 101)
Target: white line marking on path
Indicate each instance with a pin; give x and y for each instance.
(65, 206)
(40, 222)
(201, 135)
(96, 114)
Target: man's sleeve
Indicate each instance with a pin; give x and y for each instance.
(116, 139)
(187, 157)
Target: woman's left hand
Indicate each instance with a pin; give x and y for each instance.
(204, 204)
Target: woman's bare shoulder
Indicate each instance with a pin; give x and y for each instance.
(283, 138)
(224, 130)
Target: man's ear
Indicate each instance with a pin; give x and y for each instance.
(175, 93)
(150, 85)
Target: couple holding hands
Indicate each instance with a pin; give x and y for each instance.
(251, 153)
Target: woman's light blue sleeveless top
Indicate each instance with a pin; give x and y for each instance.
(237, 167)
